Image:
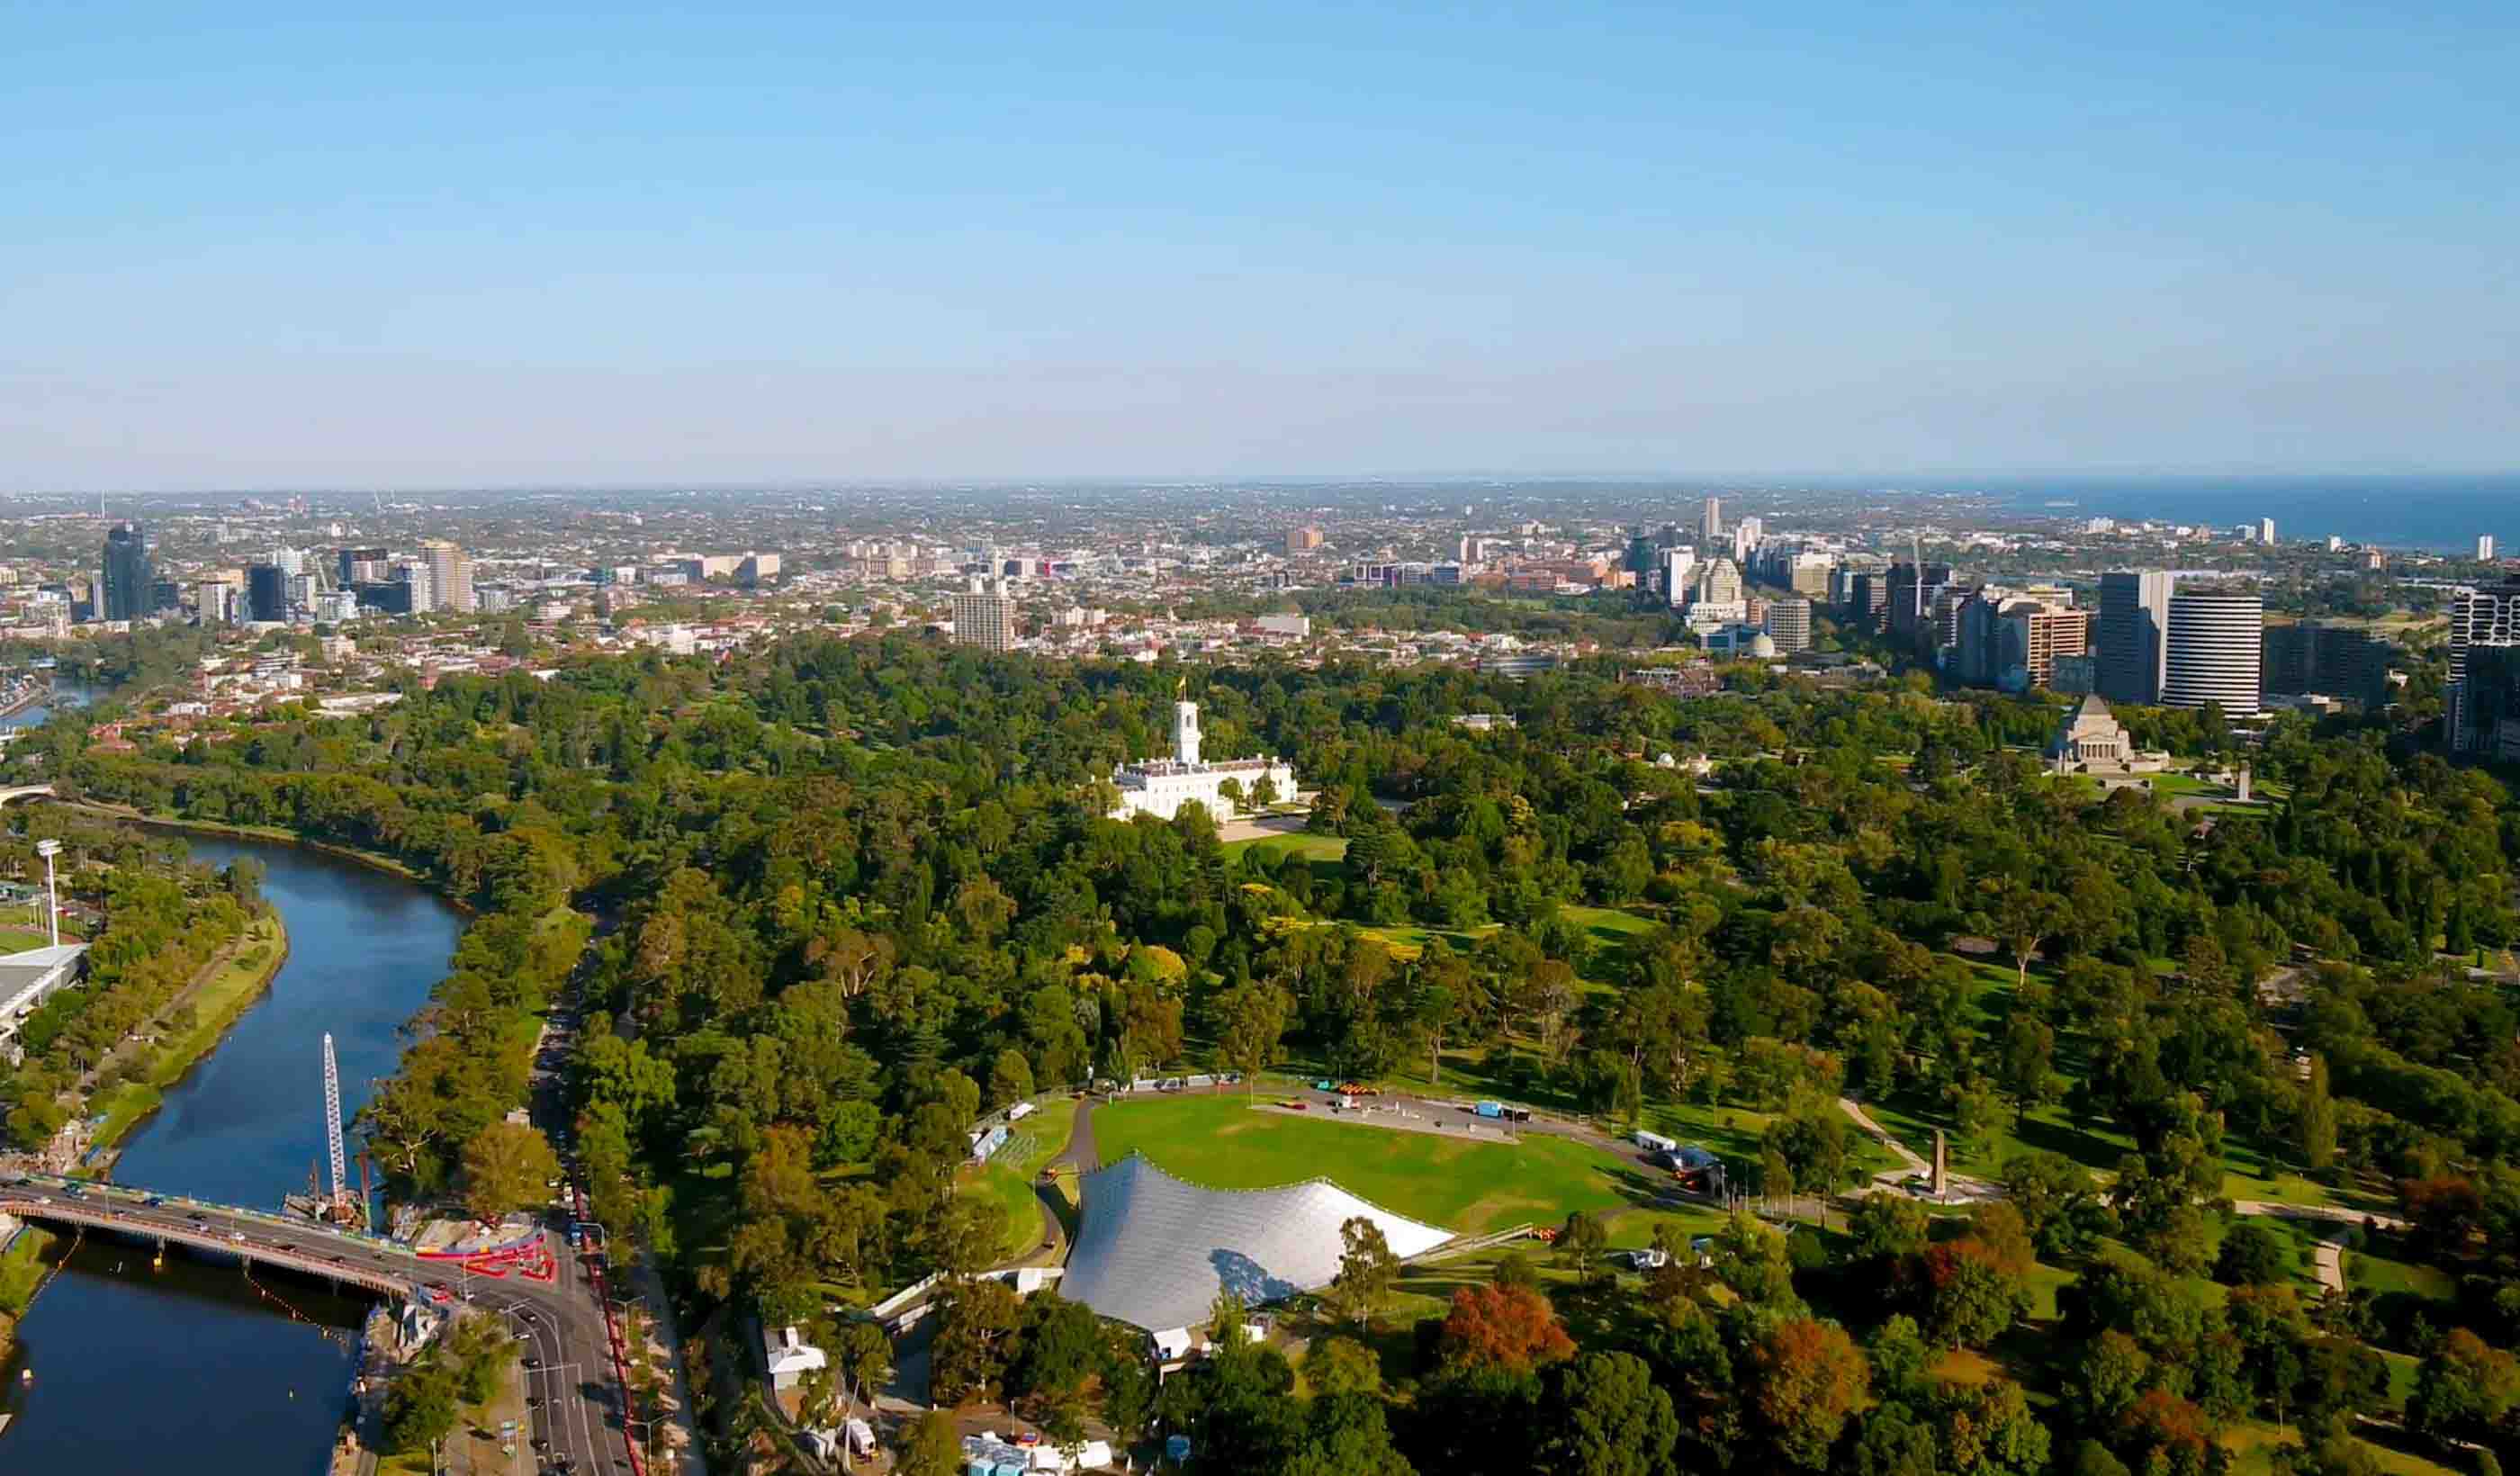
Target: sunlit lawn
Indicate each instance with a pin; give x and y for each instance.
(2380, 1274)
(1311, 847)
(1220, 1141)
(1007, 1180)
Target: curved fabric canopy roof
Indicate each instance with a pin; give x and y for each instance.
(1154, 1252)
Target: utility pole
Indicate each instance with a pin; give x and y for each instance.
(48, 849)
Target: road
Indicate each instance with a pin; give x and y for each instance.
(1959, 1186)
(546, 1098)
(2328, 1257)
(573, 1419)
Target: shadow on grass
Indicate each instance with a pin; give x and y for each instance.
(1061, 1210)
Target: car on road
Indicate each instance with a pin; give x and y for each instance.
(533, 1363)
(237, 1236)
(198, 1216)
(155, 1200)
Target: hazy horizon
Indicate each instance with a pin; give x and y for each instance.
(305, 249)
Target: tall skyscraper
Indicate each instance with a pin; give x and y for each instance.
(2216, 641)
(128, 583)
(983, 616)
(1788, 624)
(2485, 548)
(1745, 539)
(215, 599)
(1718, 583)
(1678, 575)
(2484, 615)
(450, 575)
(361, 567)
(2486, 718)
(1868, 600)
(2134, 618)
(2266, 530)
(1711, 527)
(1911, 592)
(2327, 657)
(1303, 540)
(266, 590)
(420, 583)
(2031, 634)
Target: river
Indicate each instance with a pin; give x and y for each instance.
(189, 1367)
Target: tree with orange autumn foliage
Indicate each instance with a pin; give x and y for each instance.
(1806, 1377)
(2160, 1432)
(1513, 1328)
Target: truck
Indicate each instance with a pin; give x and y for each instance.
(1655, 1142)
(1489, 1109)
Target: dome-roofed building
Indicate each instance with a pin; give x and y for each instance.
(1155, 1252)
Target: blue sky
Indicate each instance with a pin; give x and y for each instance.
(309, 247)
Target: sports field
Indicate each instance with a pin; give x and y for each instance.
(1219, 1142)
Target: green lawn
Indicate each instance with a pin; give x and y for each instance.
(1408, 941)
(2253, 1444)
(17, 940)
(1608, 925)
(2380, 1274)
(1005, 1181)
(1313, 848)
(22, 1270)
(238, 983)
(1221, 1143)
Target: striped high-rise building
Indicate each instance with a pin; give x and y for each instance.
(2216, 643)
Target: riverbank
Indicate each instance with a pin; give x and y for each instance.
(234, 1387)
(23, 694)
(21, 1271)
(225, 990)
(377, 861)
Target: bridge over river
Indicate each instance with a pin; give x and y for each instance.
(576, 1415)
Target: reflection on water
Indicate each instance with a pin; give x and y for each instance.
(189, 1366)
(66, 694)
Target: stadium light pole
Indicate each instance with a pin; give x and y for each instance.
(48, 849)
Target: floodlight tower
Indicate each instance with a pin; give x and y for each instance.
(333, 1130)
(48, 849)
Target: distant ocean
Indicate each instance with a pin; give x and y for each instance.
(2441, 513)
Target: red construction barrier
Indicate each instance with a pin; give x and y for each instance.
(612, 1334)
